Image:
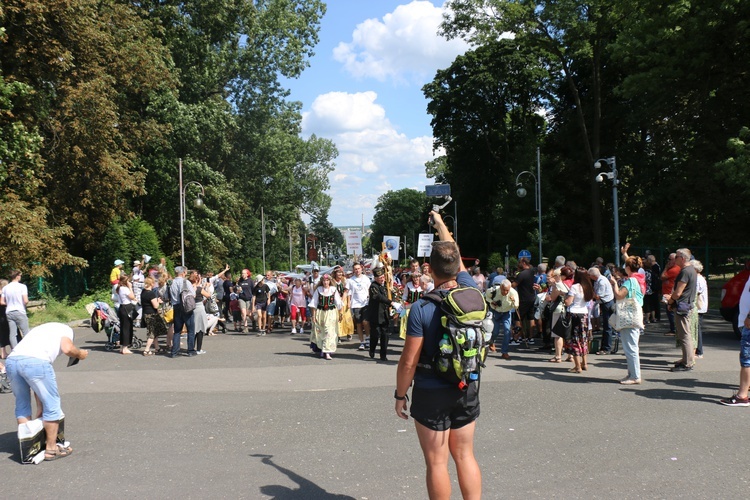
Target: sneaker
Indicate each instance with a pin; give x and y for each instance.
(201, 352)
(301, 331)
(514, 342)
(735, 401)
(361, 347)
(294, 331)
(681, 368)
(530, 341)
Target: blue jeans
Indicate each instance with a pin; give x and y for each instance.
(501, 320)
(629, 337)
(187, 319)
(605, 311)
(28, 374)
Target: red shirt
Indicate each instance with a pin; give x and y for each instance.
(668, 277)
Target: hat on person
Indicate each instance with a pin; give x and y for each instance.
(315, 269)
(119, 262)
(259, 278)
(378, 271)
(136, 262)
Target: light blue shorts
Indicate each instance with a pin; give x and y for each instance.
(33, 374)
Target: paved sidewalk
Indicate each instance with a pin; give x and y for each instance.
(260, 417)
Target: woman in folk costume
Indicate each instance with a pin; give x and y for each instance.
(346, 323)
(325, 303)
(413, 291)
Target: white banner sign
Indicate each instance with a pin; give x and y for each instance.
(424, 248)
(391, 246)
(354, 242)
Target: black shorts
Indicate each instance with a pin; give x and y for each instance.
(443, 409)
(526, 311)
(359, 314)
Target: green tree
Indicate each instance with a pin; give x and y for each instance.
(93, 68)
(400, 213)
(30, 240)
(484, 109)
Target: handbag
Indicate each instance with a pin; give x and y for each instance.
(628, 314)
(564, 326)
(211, 307)
(683, 308)
(169, 316)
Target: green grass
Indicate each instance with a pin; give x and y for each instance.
(65, 310)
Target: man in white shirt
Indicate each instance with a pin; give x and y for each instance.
(359, 291)
(33, 356)
(15, 296)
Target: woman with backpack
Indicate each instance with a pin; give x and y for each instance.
(631, 289)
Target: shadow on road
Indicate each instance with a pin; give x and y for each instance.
(307, 489)
(9, 444)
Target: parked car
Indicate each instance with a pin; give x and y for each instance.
(730, 297)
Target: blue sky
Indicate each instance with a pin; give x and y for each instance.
(363, 92)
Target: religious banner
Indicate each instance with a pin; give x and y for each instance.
(354, 242)
(424, 247)
(391, 244)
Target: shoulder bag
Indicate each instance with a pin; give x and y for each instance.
(628, 314)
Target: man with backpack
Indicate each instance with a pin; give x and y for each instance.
(181, 287)
(445, 413)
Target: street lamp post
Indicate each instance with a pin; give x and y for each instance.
(198, 204)
(521, 192)
(615, 209)
(263, 234)
(289, 225)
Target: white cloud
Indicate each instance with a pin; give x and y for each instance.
(404, 45)
(374, 157)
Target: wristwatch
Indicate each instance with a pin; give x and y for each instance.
(396, 396)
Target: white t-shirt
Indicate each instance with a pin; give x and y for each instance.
(359, 288)
(579, 302)
(43, 342)
(14, 292)
(123, 295)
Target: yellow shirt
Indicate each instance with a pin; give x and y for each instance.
(114, 276)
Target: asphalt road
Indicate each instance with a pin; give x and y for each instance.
(260, 417)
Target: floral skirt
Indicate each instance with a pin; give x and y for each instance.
(578, 345)
(155, 325)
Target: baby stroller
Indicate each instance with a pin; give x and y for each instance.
(105, 318)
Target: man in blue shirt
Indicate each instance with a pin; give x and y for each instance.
(445, 416)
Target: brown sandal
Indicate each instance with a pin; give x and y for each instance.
(58, 452)
(556, 359)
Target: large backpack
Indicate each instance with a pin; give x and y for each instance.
(467, 328)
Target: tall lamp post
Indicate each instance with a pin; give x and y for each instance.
(289, 225)
(615, 209)
(521, 192)
(263, 234)
(198, 203)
